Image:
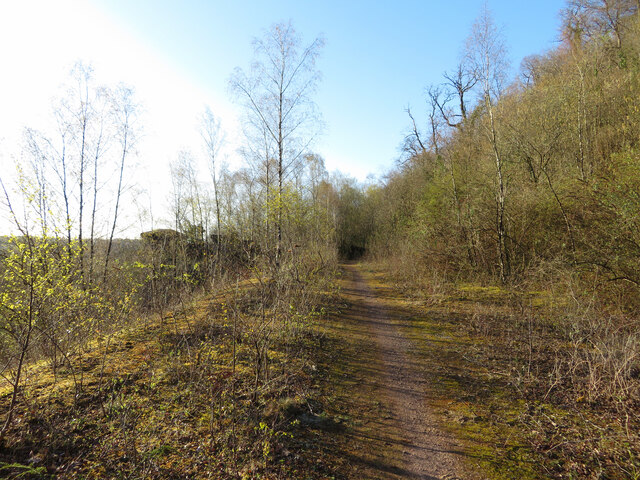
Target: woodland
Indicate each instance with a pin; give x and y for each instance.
(511, 222)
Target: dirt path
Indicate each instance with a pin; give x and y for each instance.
(394, 436)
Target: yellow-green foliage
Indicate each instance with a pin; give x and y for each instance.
(567, 138)
(47, 309)
(40, 287)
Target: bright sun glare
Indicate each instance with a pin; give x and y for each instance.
(42, 40)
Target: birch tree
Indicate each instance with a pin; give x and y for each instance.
(486, 53)
(213, 138)
(280, 114)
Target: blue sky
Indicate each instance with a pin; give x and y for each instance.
(178, 55)
(378, 58)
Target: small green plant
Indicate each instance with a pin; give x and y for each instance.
(18, 470)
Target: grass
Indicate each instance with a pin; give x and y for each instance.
(460, 386)
(164, 400)
(488, 368)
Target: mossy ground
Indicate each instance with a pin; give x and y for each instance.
(163, 399)
(487, 385)
(458, 388)
(367, 443)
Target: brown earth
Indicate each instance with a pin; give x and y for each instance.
(383, 389)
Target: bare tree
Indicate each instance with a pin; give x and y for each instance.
(461, 82)
(486, 53)
(79, 166)
(456, 87)
(530, 69)
(125, 111)
(413, 144)
(588, 19)
(277, 96)
(100, 147)
(39, 154)
(80, 115)
(79, 109)
(187, 198)
(213, 138)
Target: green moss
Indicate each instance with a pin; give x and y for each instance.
(470, 403)
(478, 289)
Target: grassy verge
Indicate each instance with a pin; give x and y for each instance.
(496, 381)
(219, 389)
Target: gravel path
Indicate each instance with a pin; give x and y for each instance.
(400, 438)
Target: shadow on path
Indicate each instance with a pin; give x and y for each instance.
(391, 434)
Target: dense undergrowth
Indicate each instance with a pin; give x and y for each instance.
(538, 386)
(223, 386)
